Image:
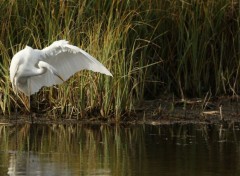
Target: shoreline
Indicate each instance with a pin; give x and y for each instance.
(152, 112)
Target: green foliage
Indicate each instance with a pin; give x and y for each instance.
(152, 47)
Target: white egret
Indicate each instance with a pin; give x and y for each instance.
(32, 69)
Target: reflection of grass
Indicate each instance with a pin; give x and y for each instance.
(187, 47)
(87, 148)
(117, 150)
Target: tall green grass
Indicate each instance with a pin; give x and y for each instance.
(152, 47)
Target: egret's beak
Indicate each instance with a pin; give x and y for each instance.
(56, 74)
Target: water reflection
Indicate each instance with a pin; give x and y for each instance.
(119, 150)
(30, 163)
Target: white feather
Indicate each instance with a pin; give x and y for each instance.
(32, 69)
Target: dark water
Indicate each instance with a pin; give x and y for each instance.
(120, 150)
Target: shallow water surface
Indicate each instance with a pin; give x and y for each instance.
(33, 149)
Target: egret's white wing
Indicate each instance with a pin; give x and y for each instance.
(67, 60)
(46, 79)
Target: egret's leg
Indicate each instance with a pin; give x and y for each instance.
(16, 125)
(16, 121)
(16, 113)
(29, 99)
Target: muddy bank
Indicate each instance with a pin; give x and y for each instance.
(212, 110)
(154, 112)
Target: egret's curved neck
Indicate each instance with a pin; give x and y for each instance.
(41, 70)
(43, 67)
